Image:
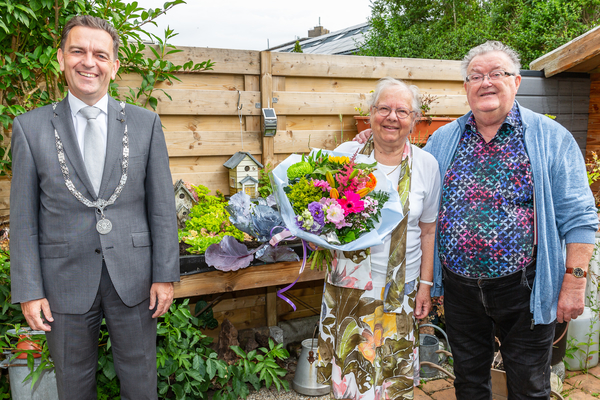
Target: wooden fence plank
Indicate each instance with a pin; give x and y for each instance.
(205, 102)
(185, 144)
(245, 62)
(291, 103)
(319, 65)
(199, 81)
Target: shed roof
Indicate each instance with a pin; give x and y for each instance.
(237, 158)
(581, 54)
(342, 42)
(248, 178)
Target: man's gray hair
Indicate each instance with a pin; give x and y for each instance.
(387, 83)
(88, 21)
(488, 47)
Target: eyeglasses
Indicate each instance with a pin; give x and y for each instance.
(493, 76)
(401, 113)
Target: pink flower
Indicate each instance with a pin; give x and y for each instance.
(351, 203)
(335, 214)
(321, 184)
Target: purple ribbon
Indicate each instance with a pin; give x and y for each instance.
(275, 239)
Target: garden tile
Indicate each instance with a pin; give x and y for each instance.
(586, 382)
(595, 371)
(436, 385)
(446, 394)
(577, 395)
(420, 395)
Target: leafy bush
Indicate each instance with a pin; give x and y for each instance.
(208, 222)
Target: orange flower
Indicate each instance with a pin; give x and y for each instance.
(372, 181)
(333, 193)
(363, 192)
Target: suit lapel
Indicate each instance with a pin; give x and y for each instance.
(63, 123)
(114, 146)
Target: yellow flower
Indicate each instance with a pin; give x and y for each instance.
(339, 159)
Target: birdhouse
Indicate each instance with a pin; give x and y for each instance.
(184, 201)
(243, 174)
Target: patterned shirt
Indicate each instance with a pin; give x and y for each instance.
(486, 216)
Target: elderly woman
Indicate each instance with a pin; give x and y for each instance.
(368, 347)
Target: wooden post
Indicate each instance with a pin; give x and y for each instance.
(271, 306)
(266, 98)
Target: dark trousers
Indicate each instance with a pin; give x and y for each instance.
(73, 344)
(479, 309)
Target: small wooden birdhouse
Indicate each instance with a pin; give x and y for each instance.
(184, 201)
(243, 173)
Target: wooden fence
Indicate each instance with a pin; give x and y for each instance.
(314, 97)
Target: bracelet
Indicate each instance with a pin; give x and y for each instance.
(426, 283)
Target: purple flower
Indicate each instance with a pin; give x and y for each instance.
(316, 210)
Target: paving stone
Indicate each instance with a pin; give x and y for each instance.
(578, 395)
(420, 395)
(588, 383)
(446, 394)
(595, 371)
(436, 385)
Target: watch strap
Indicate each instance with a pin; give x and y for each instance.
(580, 270)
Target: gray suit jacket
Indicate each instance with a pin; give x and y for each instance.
(56, 251)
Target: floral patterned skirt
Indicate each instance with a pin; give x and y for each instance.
(364, 352)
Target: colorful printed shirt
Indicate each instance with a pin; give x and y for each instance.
(486, 219)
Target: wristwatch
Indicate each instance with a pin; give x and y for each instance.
(577, 272)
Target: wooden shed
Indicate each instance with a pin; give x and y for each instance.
(581, 56)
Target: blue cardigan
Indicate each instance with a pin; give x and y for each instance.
(564, 202)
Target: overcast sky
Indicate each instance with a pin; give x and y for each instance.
(247, 25)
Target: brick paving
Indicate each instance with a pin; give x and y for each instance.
(578, 385)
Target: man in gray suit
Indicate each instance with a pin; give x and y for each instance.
(93, 224)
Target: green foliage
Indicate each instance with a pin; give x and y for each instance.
(206, 319)
(208, 222)
(29, 39)
(303, 193)
(9, 342)
(297, 48)
(11, 314)
(264, 183)
(447, 29)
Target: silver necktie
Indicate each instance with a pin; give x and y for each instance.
(94, 149)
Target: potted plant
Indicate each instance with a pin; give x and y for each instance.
(363, 120)
(426, 125)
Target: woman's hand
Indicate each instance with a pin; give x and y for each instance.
(423, 302)
(363, 136)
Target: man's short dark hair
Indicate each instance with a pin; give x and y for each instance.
(91, 22)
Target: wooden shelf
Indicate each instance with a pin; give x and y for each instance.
(277, 274)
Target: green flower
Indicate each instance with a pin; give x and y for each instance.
(299, 169)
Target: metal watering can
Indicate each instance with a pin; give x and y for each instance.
(428, 346)
(305, 378)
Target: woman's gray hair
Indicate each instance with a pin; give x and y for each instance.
(488, 47)
(387, 83)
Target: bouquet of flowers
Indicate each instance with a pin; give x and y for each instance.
(335, 200)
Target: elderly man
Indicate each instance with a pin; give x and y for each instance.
(514, 194)
(93, 225)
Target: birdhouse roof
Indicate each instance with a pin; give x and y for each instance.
(237, 158)
(248, 178)
(181, 185)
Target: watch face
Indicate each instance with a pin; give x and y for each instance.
(578, 272)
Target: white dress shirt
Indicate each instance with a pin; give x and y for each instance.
(80, 122)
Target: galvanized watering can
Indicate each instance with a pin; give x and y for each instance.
(305, 379)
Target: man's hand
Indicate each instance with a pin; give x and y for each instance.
(571, 299)
(32, 311)
(363, 136)
(423, 306)
(163, 292)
